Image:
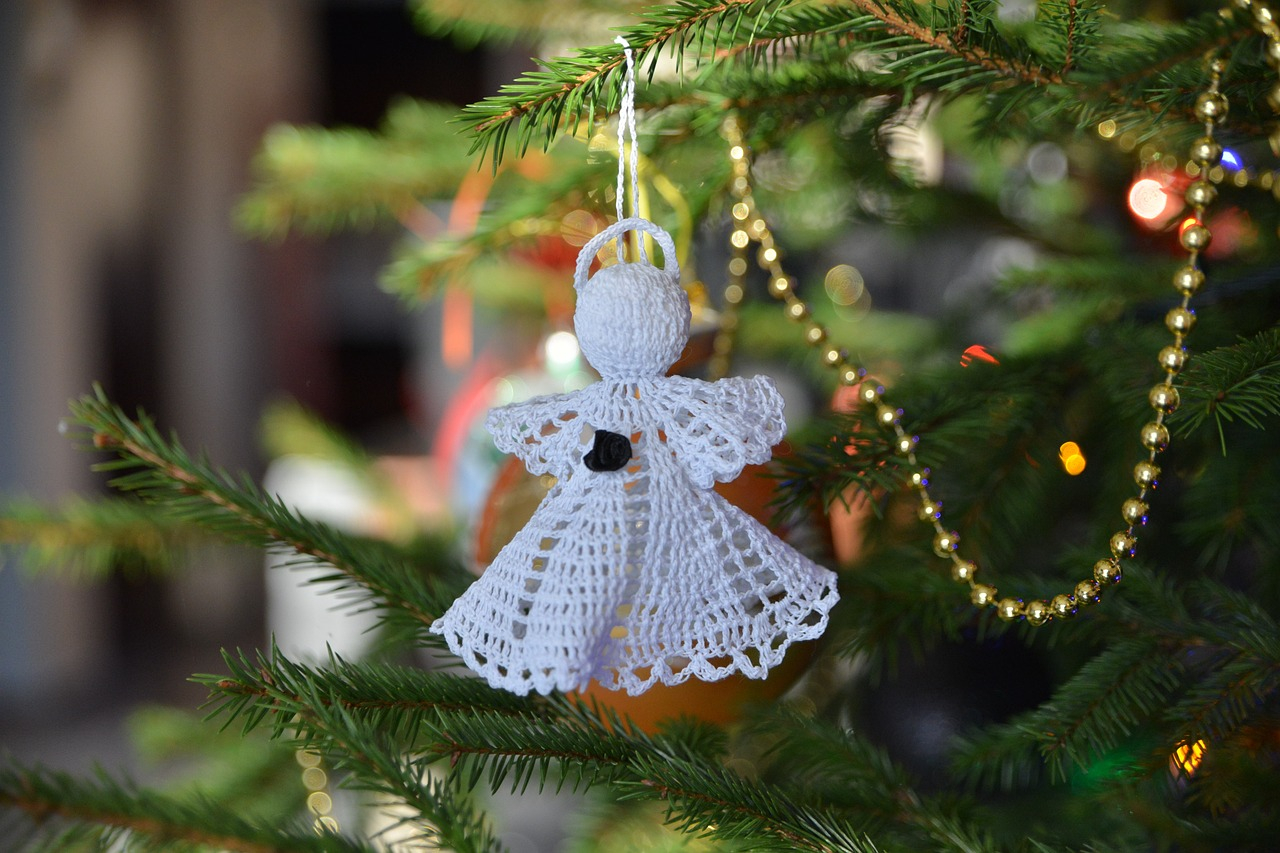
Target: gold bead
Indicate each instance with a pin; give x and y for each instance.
(1211, 106)
(1038, 612)
(1172, 359)
(1122, 544)
(1273, 97)
(767, 255)
(946, 543)
(887, 416)
(1201, 194)
(1146, 474)
(1106, 572)
(964, 570)
(849, 376)
(1155, 436)
(983, 594)
(780, 286)
(869, 392)
(1262, 14)
(1009, 609)
(920, 479)
(1206, 151)
(1195, 237)
(815, 334)
(1087, 592)
(930, 510)
(1063, 606)
(1164, 398)
(1180, 320)
(1272, 53)
(905, 444)
(1187, 280)
(1134, 511)
(833, 356)
(797, 310)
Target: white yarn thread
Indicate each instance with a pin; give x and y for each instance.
(627, 128)
(671, 267)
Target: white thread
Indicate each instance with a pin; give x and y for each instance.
(627, 128)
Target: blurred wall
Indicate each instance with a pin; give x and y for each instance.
(126, 133)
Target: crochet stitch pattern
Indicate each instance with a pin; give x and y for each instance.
(644, 574)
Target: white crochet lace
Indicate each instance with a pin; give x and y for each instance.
(642, 575)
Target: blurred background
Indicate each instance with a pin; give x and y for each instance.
(127, 132)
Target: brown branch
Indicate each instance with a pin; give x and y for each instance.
(1072, 15)
(41, 809)
(895, 23)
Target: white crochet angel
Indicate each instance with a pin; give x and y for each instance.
(633, 571)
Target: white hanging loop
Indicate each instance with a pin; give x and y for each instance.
(627, 132)
(619, 229)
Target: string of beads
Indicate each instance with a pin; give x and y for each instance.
(1204, 158)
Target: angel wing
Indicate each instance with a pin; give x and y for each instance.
(717, 428)
(545, 432)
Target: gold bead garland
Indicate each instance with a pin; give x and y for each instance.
(316, 781)
(1204, 157)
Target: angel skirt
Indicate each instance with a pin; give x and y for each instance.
(636, 576)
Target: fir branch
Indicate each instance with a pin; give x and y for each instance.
(90, 539)
(472, 22)
(714, 801)
(107, 811)
(1102, 703)
(316, 180)
(162, 471)
(390, 698)
(1229, 384)
(859, 778)
(569, 89)
(373, 738)
(897, 20)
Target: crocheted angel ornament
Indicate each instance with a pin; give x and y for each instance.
(633, 571)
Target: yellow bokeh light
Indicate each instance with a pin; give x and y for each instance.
(844, 284)
(1188, 756)
(577, 227)
(1073, 461)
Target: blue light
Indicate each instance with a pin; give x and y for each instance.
(1231, 160)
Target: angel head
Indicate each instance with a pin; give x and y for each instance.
(632, 320)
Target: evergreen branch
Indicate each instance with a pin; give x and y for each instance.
(504, 746)
(390, 698)
(163, 471)
(372, 733)
(1229, 384)
(860, 778)
(569, 89)
(1104, 701)
(472, 22)
(714, 801)
(91, 539)
(317, 180)
(957, 44)
(107, 812)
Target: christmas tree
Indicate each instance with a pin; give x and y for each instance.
(1040, 469)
